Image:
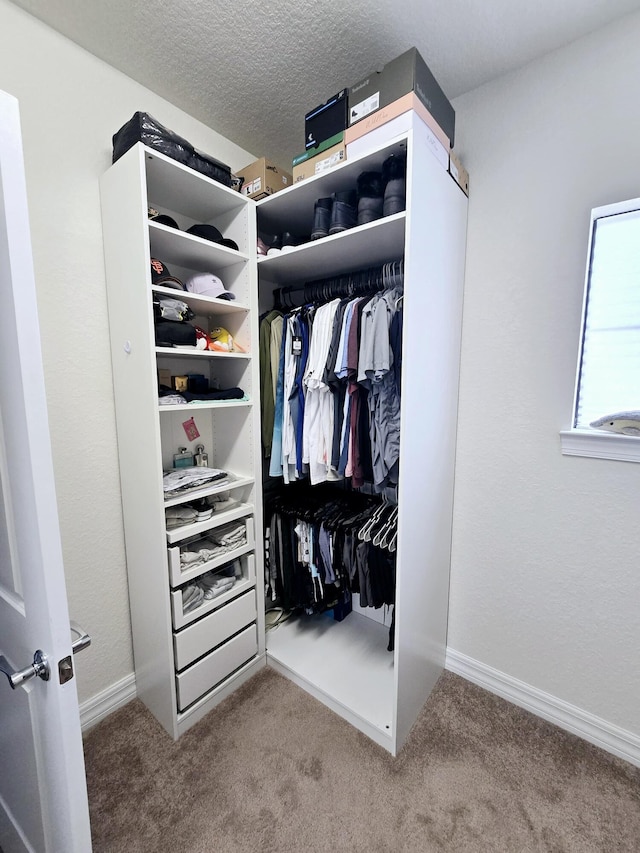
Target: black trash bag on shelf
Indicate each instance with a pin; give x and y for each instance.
(144, 128)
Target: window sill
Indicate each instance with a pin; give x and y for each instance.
(600, 445)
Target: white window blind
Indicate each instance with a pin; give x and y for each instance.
(609, 369)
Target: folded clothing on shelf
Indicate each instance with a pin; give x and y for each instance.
(192, 596)
(180, 480)
(217, 542)
(233, 534)
(168, 397)
(178, 516)
(210, 585)
(200, 510)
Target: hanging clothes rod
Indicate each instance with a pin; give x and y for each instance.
(355, 283)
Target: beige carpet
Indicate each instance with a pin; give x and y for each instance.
(271, 769)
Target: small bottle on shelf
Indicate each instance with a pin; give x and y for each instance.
(183, 458)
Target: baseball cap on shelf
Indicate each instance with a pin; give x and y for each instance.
(162, 218)
(208, 284)
(210, 232)
(160, 275)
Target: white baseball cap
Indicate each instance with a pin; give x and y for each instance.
(208, 284)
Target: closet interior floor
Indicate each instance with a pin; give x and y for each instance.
(344, 664)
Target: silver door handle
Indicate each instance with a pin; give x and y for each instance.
(83, 641)
(39, 667)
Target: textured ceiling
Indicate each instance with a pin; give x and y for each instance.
(252, 70)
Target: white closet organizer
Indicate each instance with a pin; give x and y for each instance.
(185, 662)
(346, 664)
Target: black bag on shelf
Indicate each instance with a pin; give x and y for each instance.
(170, 333)
(144, 128)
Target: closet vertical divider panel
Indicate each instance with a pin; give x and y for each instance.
(126, 244)
(434, 280)
(185, 662)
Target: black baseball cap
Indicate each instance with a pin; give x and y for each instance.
(210, 232)
(160, 275)
(162, 218)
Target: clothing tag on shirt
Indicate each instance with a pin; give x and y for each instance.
(296, 345)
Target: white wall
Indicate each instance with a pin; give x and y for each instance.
(71, 104)
(546, 570)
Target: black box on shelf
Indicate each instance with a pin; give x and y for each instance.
(406, 73)
(326, 120)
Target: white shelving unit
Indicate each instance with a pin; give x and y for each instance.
(345, 664)
(185, 662)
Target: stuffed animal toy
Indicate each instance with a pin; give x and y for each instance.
(221, 340)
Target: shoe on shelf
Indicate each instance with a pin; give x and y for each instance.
(370, 196)
(276, 246)
(203, 510)
(266, 242)
(290, 241)
(344, 211)
(393, 178)
(321, 218)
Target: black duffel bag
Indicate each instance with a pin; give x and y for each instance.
(144, 128)
(169, 333)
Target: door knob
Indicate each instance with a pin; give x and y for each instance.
(83, 641)
(39, 667)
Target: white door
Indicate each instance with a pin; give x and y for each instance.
(43, 794)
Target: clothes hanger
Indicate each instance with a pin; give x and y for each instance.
(391, 532)
(364, 534)
(387, 527)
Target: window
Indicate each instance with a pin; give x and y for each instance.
(608, 378)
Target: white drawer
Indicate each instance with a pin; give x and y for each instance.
(211, 630)
(246, 582)
(215, 667)
(177, 577)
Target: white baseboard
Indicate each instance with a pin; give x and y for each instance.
(108, 701)
(607, 736)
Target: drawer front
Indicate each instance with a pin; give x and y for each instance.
(211, 630)
(177, 576)
(211, 670)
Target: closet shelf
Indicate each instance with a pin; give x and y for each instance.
(182, 190)
(208, 404)
(278, 212)
(192, 352)
(342, 663)
(177, 534)
(233, 482)
(206, 305)
(363, 246)
(187, 250)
